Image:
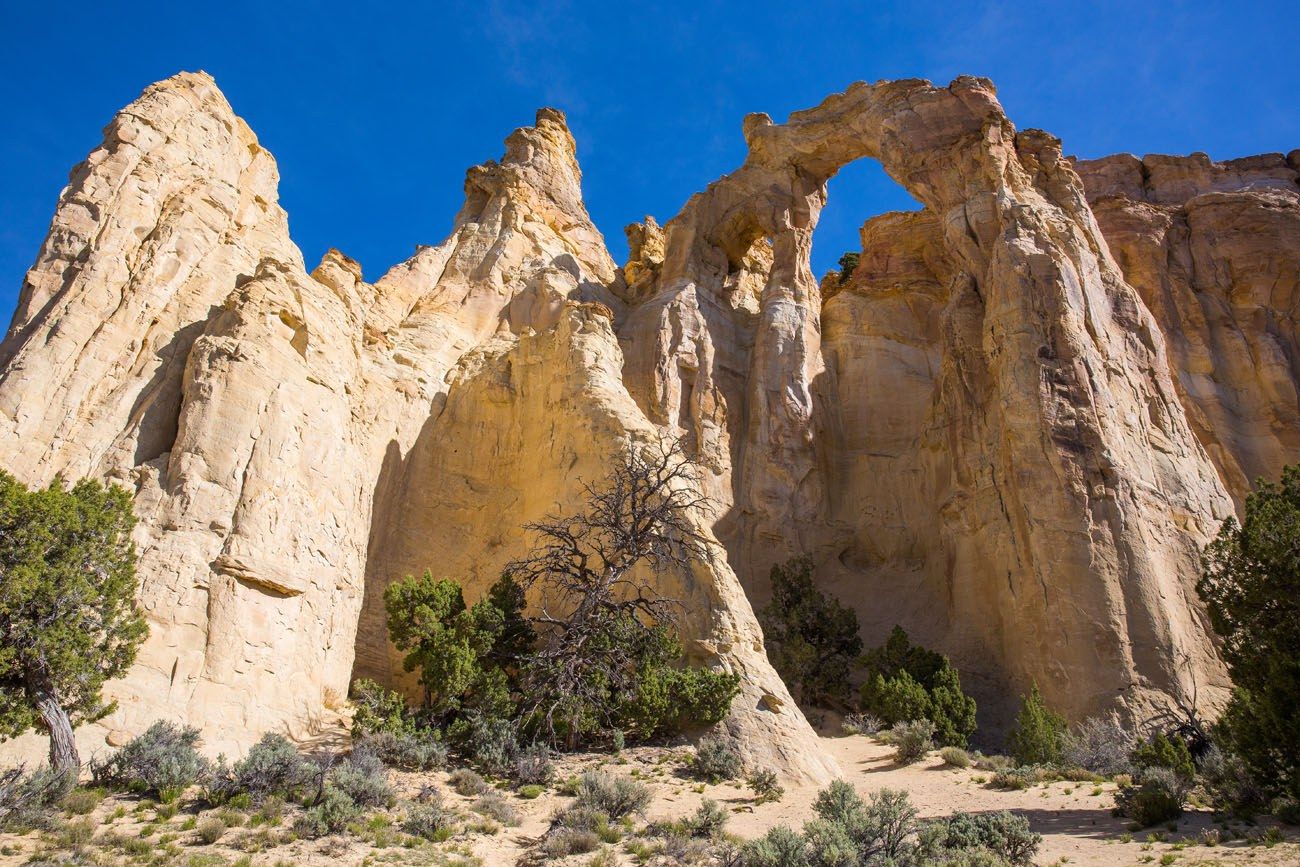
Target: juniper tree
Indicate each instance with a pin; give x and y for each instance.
(68, 616)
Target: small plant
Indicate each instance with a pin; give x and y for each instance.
(914, 740)
(533, 766)
(210, 829)
(467, 782)
(329, 815)
(616, 797)
(861, 724)
(1156, 796)
(362, 778)
(163, 761)
(780, 847)
(430, 821)
(765, 786)
(1162, 751)
(27, 800)
(417, 750)
(955, 757)
(81, 801)
(563, 842)
(1101, 745)
(530, 792)
(378, 710)
(272, 767)
(715, 761)
(1039, 732)
(1004, 835)
(494, 806)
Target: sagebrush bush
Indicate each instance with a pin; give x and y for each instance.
(467, 782)
(765, 786)
(378, 710)
(272, 767)
(430, 820)
(1286, 810)
(329, 815)
(861, 724)
(494, 806)
(780, 847)
(715, 761)
(707, 822)
(491, 743)
(1101, 745)
(1229, 783)
(417, 750)
(1157, 795)
(612, 795)
(28, 801)
(163, 761)
(363, 778)
(210, 829)
(562, 842)
(955, 756)
(961, 835)
(533, 766)
(914, 739)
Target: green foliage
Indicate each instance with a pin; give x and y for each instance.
(68, 616)
(329, 815)
(670, 700)
(907, 682)
(418, 750)
(612, 795)
(765, 785)
(1161, 751)
(848, 262)
(363, 778)
(780, 847)
(1251, 586)
(715, 761)
(467, 782)
(955, 757)
(914, 739)
(379, 710)
(1157, 795)
(459, 652)
(163, 761)
(28, 801)
(431, 821)
(1039, 732)
(812, 640)
(272, 767)
(1005, 835)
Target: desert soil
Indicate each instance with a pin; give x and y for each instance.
(1074, 818)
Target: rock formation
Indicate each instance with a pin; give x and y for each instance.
(994, 431)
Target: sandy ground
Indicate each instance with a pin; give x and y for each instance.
(1074, 819)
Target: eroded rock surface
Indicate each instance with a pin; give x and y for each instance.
(1006, 430)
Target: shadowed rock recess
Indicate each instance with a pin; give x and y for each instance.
(1009, 430)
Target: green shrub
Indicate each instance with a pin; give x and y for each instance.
(905, 682)
(330, 815)
(1229, 784)
(955, 756)
(707, 822)
(81, 801)
(533, 766)
(467, 782)
(210, 829)
(378, 710)
(1039, 732)
(417, 750)
(1157, 795)
(1286, 810)
(362, 778)
(765, 786)
(779, 847)
(530, 792)
(811, 638)
(671, 700)
(848, 262)
(163, 761)
(1005, 835)
(715, 761)
(861, 724)
(1161, 751)
(1251, 587)
(272, 767)
(913, 739)
(489, 742)
(494, 806)
(562, 842)
(430, 821)
(614, 796)
(28, 801)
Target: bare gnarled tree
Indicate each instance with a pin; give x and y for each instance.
(598, 615)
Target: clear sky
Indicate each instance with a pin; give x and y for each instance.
(374, 110)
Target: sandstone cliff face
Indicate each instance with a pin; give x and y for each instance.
(1212, 248)
(994, 432)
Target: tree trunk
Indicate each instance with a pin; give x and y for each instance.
(63, 747)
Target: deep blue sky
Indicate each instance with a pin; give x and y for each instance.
(374, 111)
